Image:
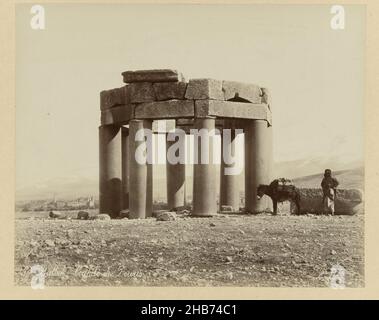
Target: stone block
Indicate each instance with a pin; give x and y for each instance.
(170, 90)
(165, 109)
(57, 214)
(241, 92)
(156, 213)
(158, 75)
(224, 209)
(266, 97)
(200, 89)
(347, 201)
(102, 216)
(141, 92)
(166, 216)
(117, 115)
(83, 215)
(124, 214)
(229, 109)
(114, 97)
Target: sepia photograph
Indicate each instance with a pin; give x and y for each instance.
(190, 145)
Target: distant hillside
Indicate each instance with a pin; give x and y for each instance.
(348, 179)
(74, 187)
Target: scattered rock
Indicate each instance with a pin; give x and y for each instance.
(333, 252)
(166, 216)
(85, 242)
(184, 278)
(184, 212)
(57, 215)
(83, 215)
(70, 233)
(124, 214)
(34, 243)
(212, 224)
(49, 243)
(156, 213)
(102, 216)
(229, 259)
(226, 209)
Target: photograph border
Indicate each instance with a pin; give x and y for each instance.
(8, 289)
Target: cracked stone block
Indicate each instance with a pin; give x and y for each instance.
(141, 92)
(114, 97)
(241, 92)
(201, 89)
(170, 90)
(158, 75)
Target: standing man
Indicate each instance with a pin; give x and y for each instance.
(329, 189)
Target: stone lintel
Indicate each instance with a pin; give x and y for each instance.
(117, 115)
(158, 75)
(165, 109)
(229, 109)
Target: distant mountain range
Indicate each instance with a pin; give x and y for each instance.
(348, 179)
(305, 173)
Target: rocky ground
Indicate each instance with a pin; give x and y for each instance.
(227, 250)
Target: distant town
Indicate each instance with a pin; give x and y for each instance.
(57, 204)
(82, 203)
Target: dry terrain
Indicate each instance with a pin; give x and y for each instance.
(227, 250)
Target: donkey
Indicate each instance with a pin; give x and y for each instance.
(280, 192)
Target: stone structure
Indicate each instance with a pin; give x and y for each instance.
(204, 104)
(348, 201)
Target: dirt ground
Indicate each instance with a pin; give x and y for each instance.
(226, 250)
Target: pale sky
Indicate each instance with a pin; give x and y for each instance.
(315, 74)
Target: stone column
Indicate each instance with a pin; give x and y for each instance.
(140, 174)
(110, 170)
(204, 180)
(229, 186)
(125, 167)
(176, 177)
(266, 98)
(270, 163)
(257, 163)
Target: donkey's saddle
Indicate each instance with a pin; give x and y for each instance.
(285, 185)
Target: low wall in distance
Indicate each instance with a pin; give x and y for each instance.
(348, 201)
